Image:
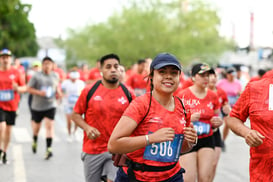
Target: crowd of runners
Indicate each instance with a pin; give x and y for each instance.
(170, 124)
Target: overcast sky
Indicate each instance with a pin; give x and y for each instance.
(53, 17)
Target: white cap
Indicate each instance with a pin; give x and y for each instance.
(74, 75)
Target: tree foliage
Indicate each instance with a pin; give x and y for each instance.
(145, 28)
(16, 32)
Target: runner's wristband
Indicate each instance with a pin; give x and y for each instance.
(147, 140)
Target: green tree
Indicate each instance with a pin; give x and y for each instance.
(16, 32)
(145, 28)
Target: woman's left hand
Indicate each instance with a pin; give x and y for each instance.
(216, 121)
(190, 134)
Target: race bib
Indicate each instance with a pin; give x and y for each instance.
(48, 90)
(6, 95)
(232, 100)
(72, 99)
(139, 91)
(168, 151)
(201, 128)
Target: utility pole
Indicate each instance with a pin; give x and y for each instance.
(251, 44)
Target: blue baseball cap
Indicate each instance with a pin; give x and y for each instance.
(165, 59)
(5, 52)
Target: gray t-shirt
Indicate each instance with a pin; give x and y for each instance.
(48, 83)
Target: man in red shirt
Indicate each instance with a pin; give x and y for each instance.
(94, 74)
(137, 81)
(84, 72)
(102, 112)
(11, 84)
(59, 71)
(256, 103)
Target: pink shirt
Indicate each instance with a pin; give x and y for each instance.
(231, 88)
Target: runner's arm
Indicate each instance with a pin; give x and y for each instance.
(252, 137)
(122, 142)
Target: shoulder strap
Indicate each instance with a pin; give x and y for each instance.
(150, 102)
(92, 91)
(182, 106)
(126, 91)
(96, 85)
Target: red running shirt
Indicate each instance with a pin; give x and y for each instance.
(205, 106)
(158, 117)
(94, 74)
(105, 108)
(138, 83)
(254, 103)
(9, 99)
(223, 99)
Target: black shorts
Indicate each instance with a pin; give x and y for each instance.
(207, 142)
(38, 116)
(217, 138)
(8, 117)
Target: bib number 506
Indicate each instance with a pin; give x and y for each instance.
(163, 148)
(167, 151)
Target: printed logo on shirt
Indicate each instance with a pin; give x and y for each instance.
(220, 100)
(97, 98)
(191, 102)
(183, 121)
(12, 76)
(155, 120)
(210, 105)
(122, 100)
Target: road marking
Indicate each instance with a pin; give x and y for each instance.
(21, 135)
(19, 166)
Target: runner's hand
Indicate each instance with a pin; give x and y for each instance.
(254, 138)
(15, 86)
(162, 135)
(216, 121)
(190, 134)
(92, 133)
(226, 109)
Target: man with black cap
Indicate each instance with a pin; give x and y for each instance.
(11, 84)
(44, 87)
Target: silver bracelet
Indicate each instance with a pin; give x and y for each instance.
(147, 140)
